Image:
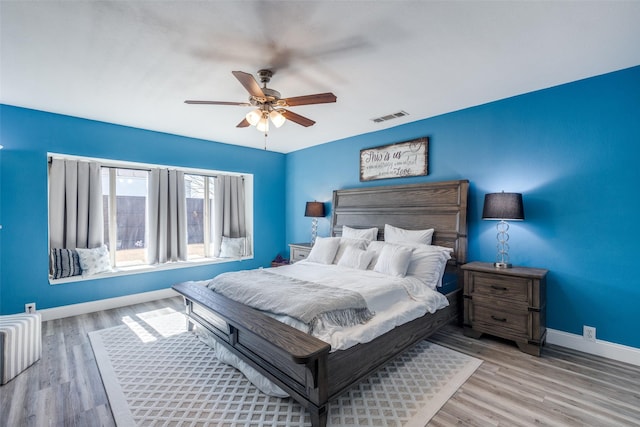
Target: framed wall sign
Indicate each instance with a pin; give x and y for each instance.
(409, 158)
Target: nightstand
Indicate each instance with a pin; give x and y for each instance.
(299, 251)
(506, 302)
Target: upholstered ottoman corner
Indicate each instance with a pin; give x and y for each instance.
(20, 343)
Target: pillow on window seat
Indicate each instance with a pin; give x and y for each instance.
(94, 261)
(233, 247)
(64, 263)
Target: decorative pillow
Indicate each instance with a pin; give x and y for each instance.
(375, 248)
(94, 260)
(324, 250)
(233, 247)
(393, 260)
(64, 263)
(360, 233)
(355, 258)
(428, 263)
(347, 242)
(400, 235)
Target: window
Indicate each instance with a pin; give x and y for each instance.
(123, 206)
(124, 195)
(199, 191)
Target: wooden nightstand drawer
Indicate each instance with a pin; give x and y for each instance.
(507, 324)
(494, 286)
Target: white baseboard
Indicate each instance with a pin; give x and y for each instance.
(606, 349)
(104, 304)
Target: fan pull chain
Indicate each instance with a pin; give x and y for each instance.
(265, 141)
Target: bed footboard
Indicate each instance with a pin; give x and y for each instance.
(297, 362)
(292, 359)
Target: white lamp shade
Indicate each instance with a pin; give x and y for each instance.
(263, 124)
(253, 117)
(277, 118)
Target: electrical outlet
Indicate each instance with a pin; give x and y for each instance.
(30, 307)
(589, 333)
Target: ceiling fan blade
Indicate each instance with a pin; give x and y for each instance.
(297, 118)
(243, 124)
(249, 82)
(318, 98)
(241, 104)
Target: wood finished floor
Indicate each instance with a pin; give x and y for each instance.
(561, 388)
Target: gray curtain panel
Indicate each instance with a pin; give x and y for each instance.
(229, 217)
(167, 217)
(75, 204)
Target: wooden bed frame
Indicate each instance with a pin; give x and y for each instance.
(303, 365)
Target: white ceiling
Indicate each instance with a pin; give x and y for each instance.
(134, 63)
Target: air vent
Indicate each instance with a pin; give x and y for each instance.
(390, 117)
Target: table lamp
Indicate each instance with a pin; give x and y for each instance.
(503, 206)
(314, 210)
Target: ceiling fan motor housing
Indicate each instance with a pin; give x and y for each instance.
(271, 96)
(265, 75)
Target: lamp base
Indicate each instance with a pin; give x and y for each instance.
(314, 230)
(502, 265)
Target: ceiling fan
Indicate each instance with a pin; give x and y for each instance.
(270, 105)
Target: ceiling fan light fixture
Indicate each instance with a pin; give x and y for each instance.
(277, 118)
(263, 124)
(253, 117)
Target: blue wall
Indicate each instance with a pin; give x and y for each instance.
(573, 152)
(28, 135)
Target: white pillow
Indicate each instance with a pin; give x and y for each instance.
(393, 260)
(345, 243)
(375, 248)
(428, 264)
(94, 261)
(355, 258)
(400, 235)
(324, 250)
(360, 233)
(233, 247)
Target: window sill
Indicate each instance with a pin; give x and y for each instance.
(141, 269)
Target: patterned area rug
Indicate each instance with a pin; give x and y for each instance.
(157, 374)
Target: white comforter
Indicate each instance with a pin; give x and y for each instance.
(394, 300)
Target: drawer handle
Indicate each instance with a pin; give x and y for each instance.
(498, 319)
(499, 288)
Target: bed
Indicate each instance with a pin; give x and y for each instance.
(304, 366)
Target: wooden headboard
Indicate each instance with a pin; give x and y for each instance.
(438, 205)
